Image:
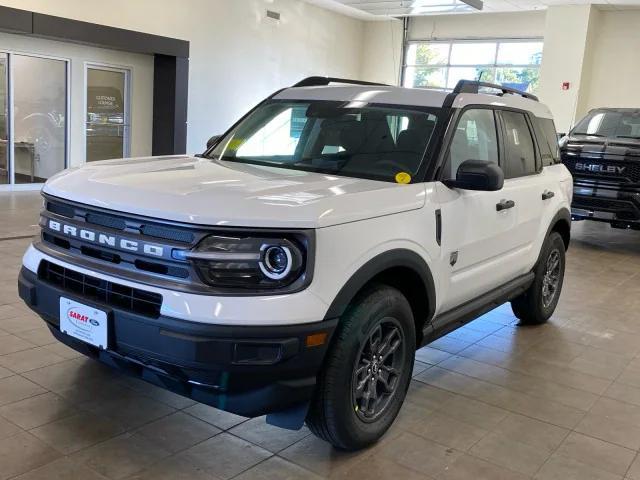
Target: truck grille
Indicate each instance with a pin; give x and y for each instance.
(631, 172)
(101, 291)
(134, 263)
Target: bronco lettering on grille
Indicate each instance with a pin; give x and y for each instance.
(106, 240)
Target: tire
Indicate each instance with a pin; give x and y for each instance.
(537, 304)
(339, 412)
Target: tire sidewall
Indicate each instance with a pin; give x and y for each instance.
(363, 317)
(553, 242)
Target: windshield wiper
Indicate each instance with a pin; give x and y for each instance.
(628, 136)
(589, 134)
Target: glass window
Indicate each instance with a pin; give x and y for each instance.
(519, 53)
(547, 141)
(107, 117)
(39, 116)
(475, 138)
(482, 53)
(520, 152)
(322, 136)
(4, 116)
(428, 53)
(441, 64)
(426, 77)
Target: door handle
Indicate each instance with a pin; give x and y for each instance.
(505, 205)
(547, 195)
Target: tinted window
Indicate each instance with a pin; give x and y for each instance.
(520, 153)
(547, 141)
(475, 138)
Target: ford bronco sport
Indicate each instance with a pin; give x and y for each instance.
(294, 267)
(603, 153)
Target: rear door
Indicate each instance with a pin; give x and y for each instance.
(525, 184)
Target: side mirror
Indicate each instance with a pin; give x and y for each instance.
(478, 175)
(212, 141)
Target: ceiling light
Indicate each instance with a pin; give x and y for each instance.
(399, 8)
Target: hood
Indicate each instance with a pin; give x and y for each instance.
(612, 146)
(210, 192)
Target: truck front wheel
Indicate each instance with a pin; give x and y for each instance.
(367, 370)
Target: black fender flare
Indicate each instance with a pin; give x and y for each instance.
(378, 264)
(562, 214)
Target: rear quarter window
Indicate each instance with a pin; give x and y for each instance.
(547, 141)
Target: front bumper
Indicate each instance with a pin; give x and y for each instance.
(606, 203)
(249, 371)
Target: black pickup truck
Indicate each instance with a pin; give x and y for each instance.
(603, 153)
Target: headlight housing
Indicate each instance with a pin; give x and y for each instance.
(234, 261)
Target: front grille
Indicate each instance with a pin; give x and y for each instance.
(631, 171)
(101, 291)
(137, 230)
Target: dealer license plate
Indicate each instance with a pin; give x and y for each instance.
(83, 322)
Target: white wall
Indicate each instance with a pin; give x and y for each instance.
(141, 87)
(563, 60)
(238, 56)
(383, 52)
(614, 71)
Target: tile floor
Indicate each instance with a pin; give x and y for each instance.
(490, 401)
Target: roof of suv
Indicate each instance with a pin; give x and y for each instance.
(384, 94)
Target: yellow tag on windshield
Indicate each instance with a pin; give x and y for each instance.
(235, 144)
(403, 178)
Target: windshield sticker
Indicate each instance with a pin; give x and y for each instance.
(403, 178)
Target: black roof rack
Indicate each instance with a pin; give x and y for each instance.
(473, 86)
(321, 81)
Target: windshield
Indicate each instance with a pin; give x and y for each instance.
(610, 123)
(351, 139)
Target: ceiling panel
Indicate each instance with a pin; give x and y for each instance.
(379, 9)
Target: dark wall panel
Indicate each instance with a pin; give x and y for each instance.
(15, 21)
(100, 35)
(170, 95)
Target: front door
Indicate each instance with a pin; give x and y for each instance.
(479, 240)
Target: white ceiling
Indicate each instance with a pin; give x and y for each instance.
(352, 7)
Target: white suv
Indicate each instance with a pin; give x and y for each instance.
(294, 267)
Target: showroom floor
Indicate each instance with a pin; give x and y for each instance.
(490, 401)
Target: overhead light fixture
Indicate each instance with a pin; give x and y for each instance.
(403, 8)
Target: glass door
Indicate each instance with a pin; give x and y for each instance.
(4, 119)
(39, 117)
(107, 124)
(33, 117)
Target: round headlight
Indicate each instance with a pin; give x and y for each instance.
(276, 261)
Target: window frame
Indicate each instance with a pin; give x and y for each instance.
(447, 66)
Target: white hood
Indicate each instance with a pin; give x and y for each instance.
(207, 192)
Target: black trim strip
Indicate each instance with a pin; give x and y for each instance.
(459, 316)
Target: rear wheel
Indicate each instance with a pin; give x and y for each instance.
(537, 304)
(367, 371)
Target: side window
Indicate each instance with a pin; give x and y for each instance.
(550, 135)
(520, 153)
(475, 138)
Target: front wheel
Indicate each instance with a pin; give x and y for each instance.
(367, 371)
(537, 304)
